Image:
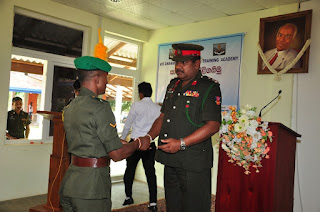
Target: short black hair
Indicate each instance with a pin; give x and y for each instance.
(84, 75)
(15, 99)
(76, 84)
(145, 88)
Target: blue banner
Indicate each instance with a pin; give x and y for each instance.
(220, 60)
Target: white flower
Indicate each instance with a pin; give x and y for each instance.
(239, 128)
(237, 140)
(247, 107)
(253, 145)
(251, 114)
(251, 130)
(224, 128)
(264, 125)
(243, 111)
(243, 120)
(256, 137)
(254, 123)
(227, 117)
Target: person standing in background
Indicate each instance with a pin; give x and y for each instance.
(17, 121)
(141, 117)
(30, 111)
(76, 90)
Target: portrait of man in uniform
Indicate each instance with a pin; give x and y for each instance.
(281, 39)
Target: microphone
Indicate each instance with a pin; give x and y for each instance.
(279, 92)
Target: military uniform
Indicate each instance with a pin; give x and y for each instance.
(16, 123)
(91, 134)
(185, 110)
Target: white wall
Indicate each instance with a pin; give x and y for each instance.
(307, 123)
(25, 167)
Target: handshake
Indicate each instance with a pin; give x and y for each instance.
(143, 142)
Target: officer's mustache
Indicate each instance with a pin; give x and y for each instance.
(179, 70)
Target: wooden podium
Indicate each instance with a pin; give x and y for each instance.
(59, 157)
(271, 190)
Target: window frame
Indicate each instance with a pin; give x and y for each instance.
(48, 70)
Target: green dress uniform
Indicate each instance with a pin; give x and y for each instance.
(188, 172)
(17, 123)
(91, 133)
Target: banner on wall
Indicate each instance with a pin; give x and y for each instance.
(220, 60)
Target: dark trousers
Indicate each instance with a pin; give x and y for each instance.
(148, 165)
(84, 205)
(187, 191)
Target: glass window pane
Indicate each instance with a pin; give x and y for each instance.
(44, 36)
(119, 95)
(26, 82)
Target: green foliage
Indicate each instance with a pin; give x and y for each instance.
(126, 105)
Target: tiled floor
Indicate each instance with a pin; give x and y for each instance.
(140, 195)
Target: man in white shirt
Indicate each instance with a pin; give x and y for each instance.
(141, 117)
(283, 54)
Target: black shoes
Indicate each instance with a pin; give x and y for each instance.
(153, 208)
(128, 201)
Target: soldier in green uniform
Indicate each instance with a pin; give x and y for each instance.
(190, 115)
(17, 121)
(92, 139)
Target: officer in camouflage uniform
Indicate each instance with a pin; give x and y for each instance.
(17, 121)
(190, 115)
(92, 140)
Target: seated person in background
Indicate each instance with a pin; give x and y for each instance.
(17, 121)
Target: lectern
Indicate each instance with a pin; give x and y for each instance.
(59, 163)
(270, 190)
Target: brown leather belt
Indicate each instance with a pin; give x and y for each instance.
(90, 162)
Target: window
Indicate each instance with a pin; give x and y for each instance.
(123, 56)
(46, 47)
(27, 82)
(39, 35)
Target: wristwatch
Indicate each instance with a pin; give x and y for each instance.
(182, 144)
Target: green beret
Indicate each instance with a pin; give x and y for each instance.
(186, 51)
(92, 63)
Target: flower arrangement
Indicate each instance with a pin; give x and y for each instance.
(243, 136)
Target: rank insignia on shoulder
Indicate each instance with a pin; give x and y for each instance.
(113, 125)
(170, 90)
(191, 93)
(218, 100)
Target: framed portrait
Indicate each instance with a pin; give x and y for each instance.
(281, 38)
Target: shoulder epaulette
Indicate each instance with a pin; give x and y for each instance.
(174, 79)
(210, 79)
(100, 100)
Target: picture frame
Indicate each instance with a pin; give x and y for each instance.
(270, 36)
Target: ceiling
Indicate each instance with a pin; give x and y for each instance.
(156, 14)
